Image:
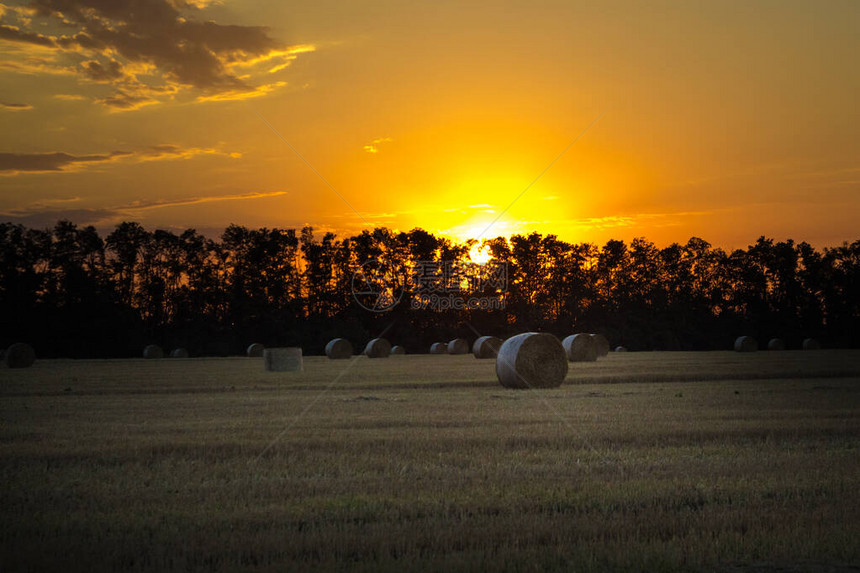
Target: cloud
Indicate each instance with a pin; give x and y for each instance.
(18, 163)
(146, 50)
(14, 163)
(43, 214)
(15, 106)
(373, 146)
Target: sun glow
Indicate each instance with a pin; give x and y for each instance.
(480, 254)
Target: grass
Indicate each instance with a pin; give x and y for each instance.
(641, 461)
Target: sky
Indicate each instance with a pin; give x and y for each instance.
(615, 119)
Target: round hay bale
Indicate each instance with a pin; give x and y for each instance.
(620, 349)
(746, 344)
(283, 359)
(580, 348)
(153, 351)
(338, 349)
(776, 344)
(439, 348)
(601, 343)
(531, 360)
(255, 350)
(19, 355)
(398, 351)
(458, 346)
(179, 353)
(378, 348)
(486, 347)
(811, 344)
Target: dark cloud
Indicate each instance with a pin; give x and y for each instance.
(13, 163)
(136, 44)
(13, 34)
(99, 72)
(41, 162)
(15, 106)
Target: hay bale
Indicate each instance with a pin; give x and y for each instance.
(620, 349)
(398, 351)
(776, 344)
(255, 350)
(439, 348)
(811, 344)
(19, 355)
(378, 348)
(153, 351)
(601, 343)
(283, 359)
(486, 347)
(580, 348)
(339, 349)
(458, 346)
(531, 360)
(746, 344)
(179, 353)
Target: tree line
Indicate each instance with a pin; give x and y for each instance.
(70, 292)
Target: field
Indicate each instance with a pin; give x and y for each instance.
(641, 461)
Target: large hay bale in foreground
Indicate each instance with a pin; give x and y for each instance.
(811, 344)
(398, 351)
(339, 349)
(601, 343)
(153, 351)
(531, 360)
(776, 344)
(179, 353)
(746, 344)
(486, 347)
(620, 349)
(19, 355)
(378, 348)
(458, 346)
(580, 348)
(439, 348)
(255, 350)
(283, 359)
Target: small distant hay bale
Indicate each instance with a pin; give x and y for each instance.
(620, 349)
(19, 355)
(378, 348)
(776, 344)
(153, 351)
(601, 343)
(398, 351)
(531, 360)
(746, 344)
(255, 350)
(580, 348)
(339, 349)
(811, 344)
(179, 353)
(458, 346)
(283, 359)
(439, 348)
(486, 347)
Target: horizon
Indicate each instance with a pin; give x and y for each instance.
(592, 122)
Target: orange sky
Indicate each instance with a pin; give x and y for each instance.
(723, 120)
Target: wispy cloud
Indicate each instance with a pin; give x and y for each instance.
(373, 146)
(15, 106)
(46, 213)
(54, 162)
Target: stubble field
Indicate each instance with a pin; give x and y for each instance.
(641, 461)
